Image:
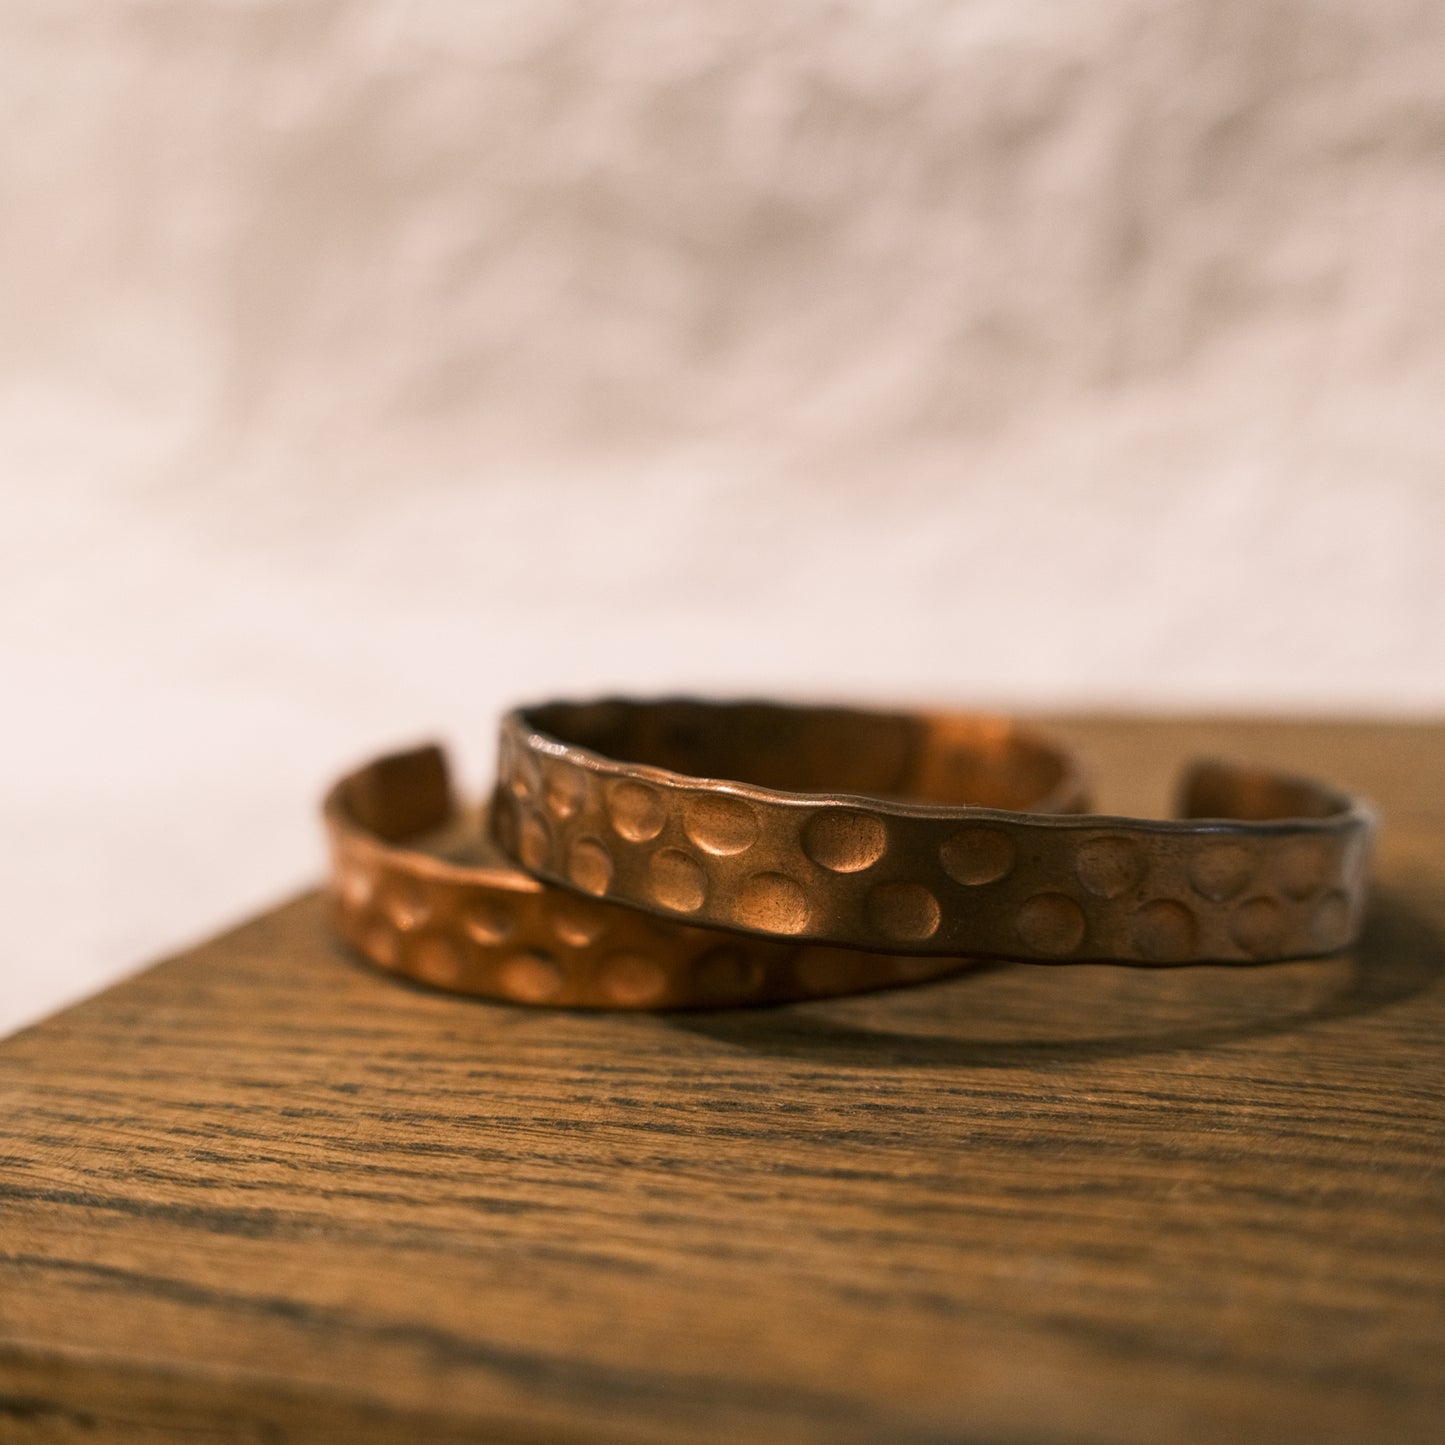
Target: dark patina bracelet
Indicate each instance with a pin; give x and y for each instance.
(903, 832)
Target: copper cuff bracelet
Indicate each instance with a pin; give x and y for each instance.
(453, 912)
(902, 832)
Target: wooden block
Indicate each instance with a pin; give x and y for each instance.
(260, 1192)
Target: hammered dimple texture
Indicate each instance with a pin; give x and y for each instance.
(497, 933)
(944, 881)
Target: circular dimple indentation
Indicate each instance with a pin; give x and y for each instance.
(381, 945)
(437, 959)
(565, 790)
(727, 973)
(773, 903)
(1221, 868)
(487, 921)
(678, 880)
(1109, 866)
(1257, 925)
(977, 855)
(636, 810)
(406, 904)
(1051, 923)
(530, 977)
(534, 841)
(1330, 921)
(844, 840)
(526, 779)
(1163, 931)
(903, 912)
(356, 884)
(1302, 865)
(589, 866)
(576, 921)
(720, 824)
(633, 980)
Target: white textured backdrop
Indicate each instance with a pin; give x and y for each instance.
(365, 365)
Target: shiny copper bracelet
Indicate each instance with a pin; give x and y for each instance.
(453, 912)
(894, 831)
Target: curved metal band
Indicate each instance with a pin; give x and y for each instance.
(888, 831)
(448, 909)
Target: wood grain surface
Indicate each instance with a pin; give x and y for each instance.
(260, 1192)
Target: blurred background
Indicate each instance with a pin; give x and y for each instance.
(365, 366)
